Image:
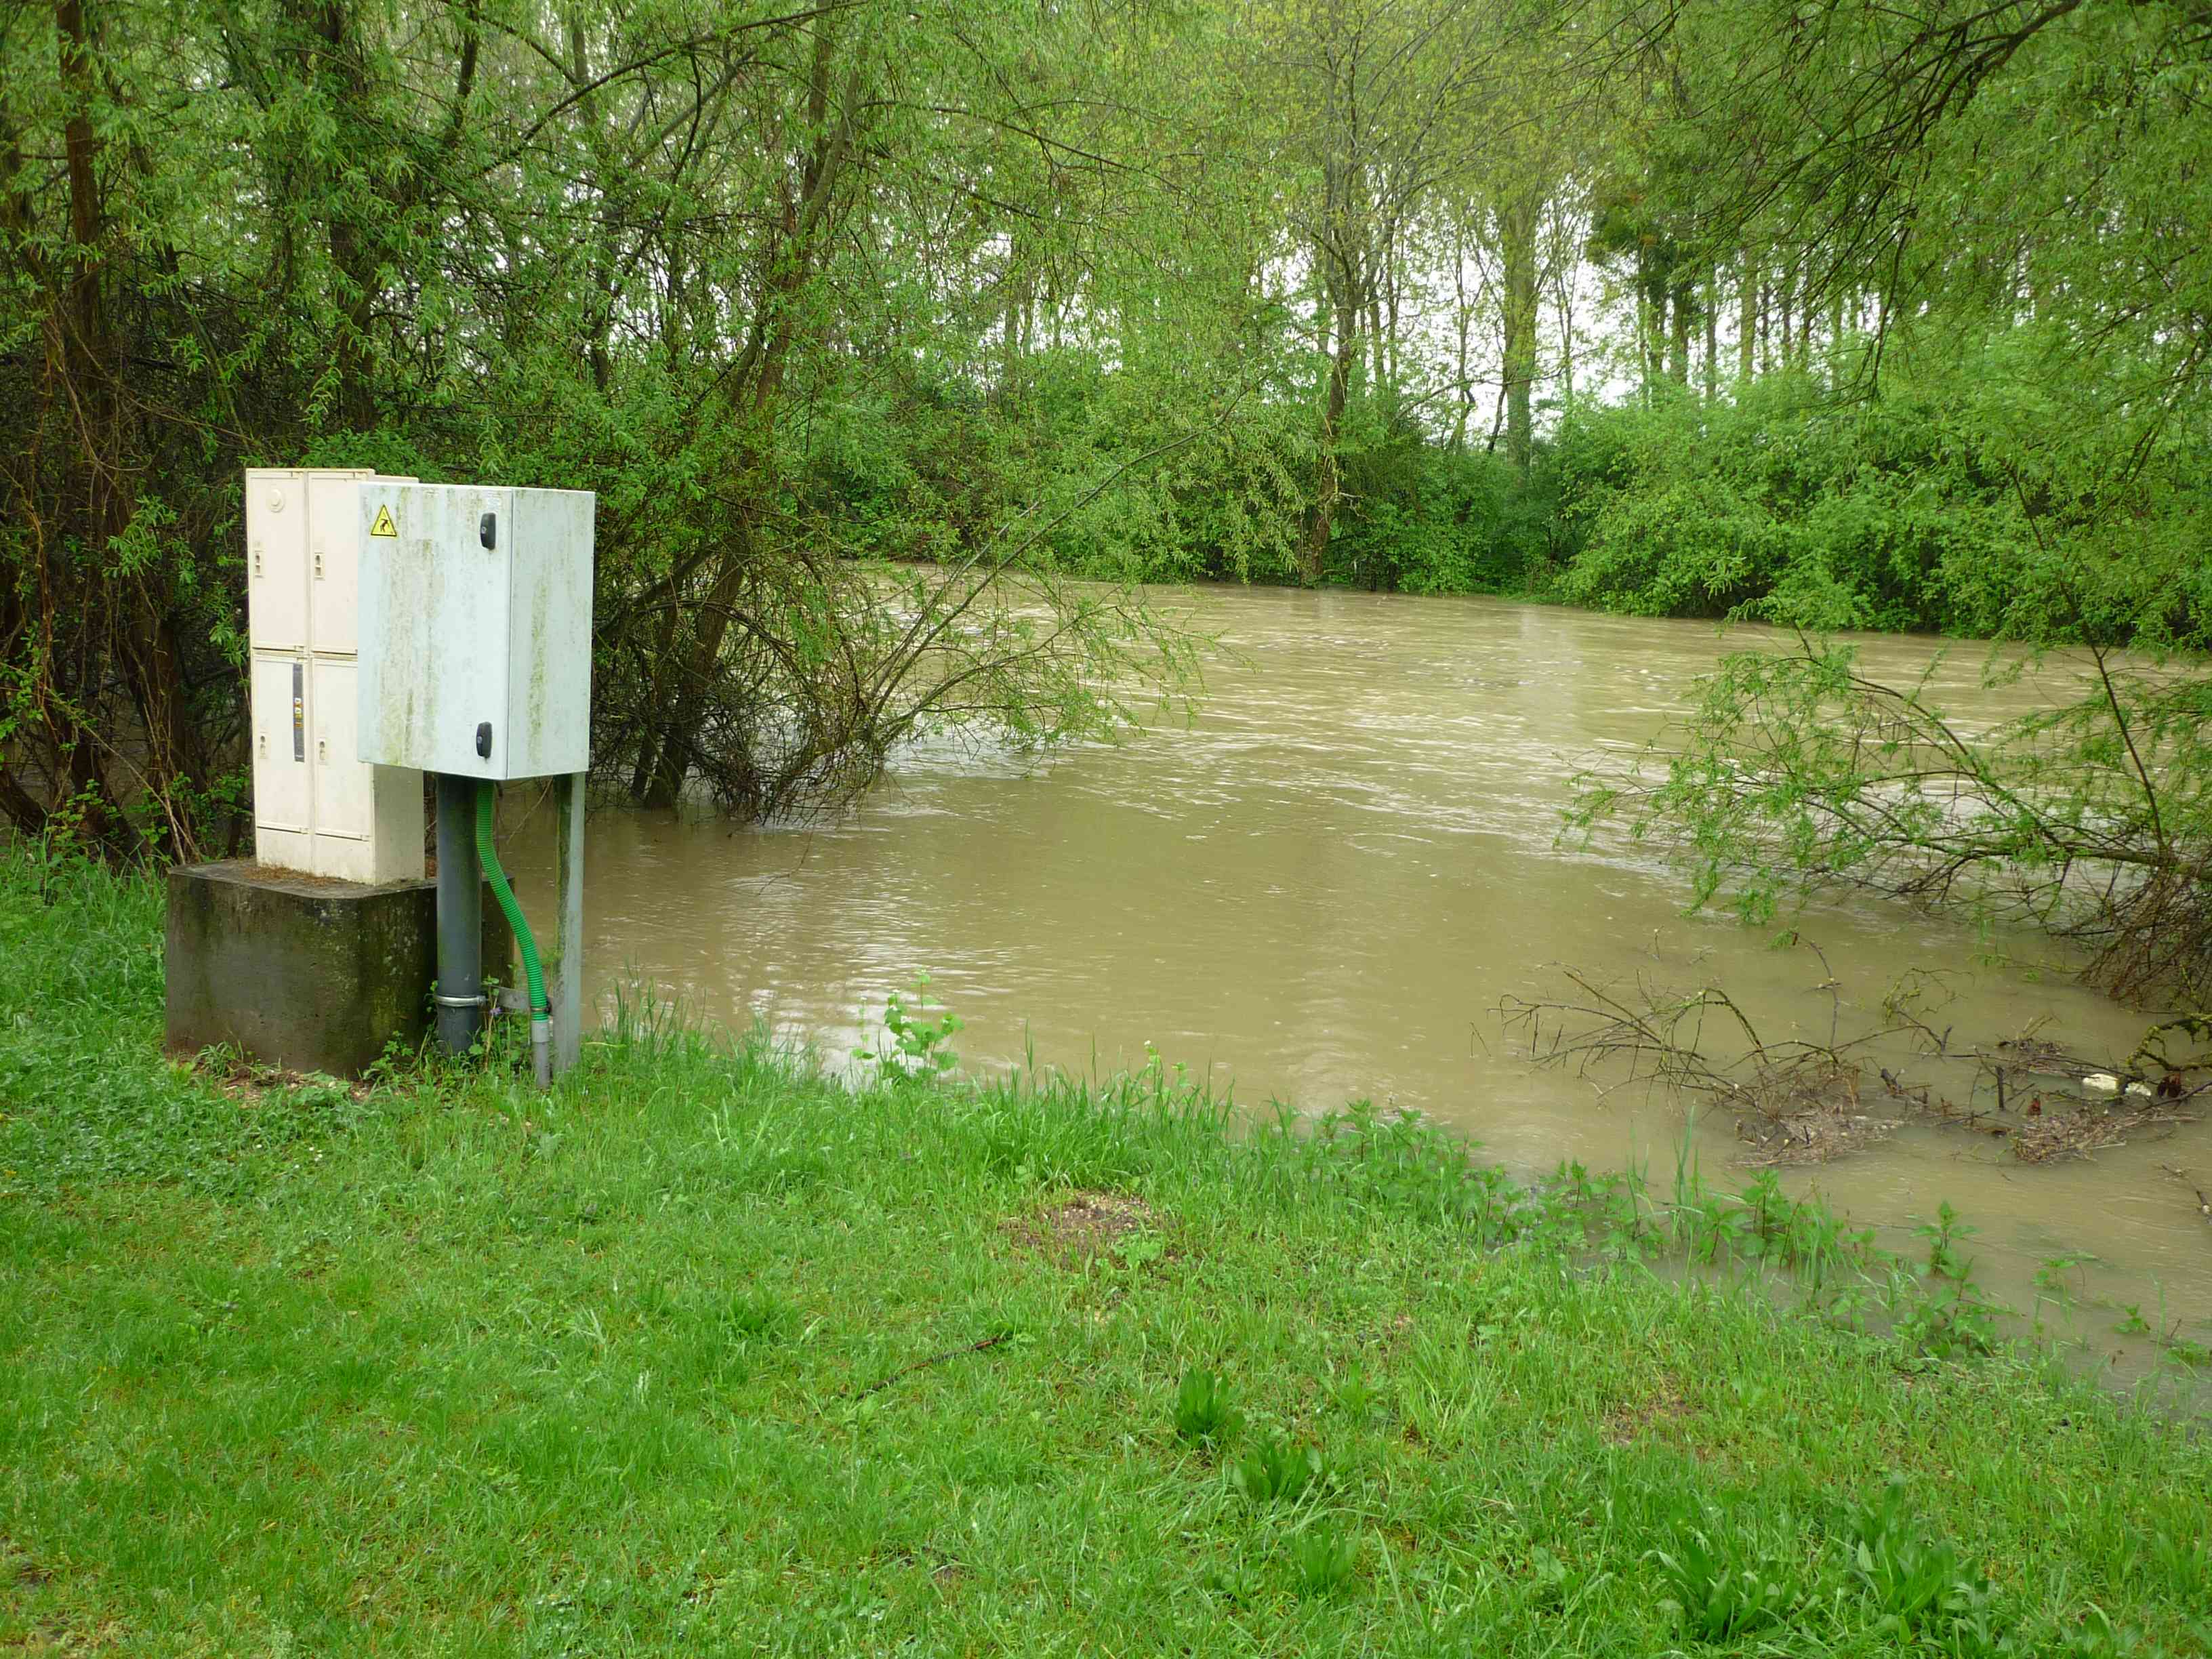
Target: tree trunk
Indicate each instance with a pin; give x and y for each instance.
(1344, 303)
(1747, 317)
(1711, 369)
(598, 352)
(1463, 318)
(343, 83)
(1563, 287)
(1378, 337)
(1321, 518)
(1392, 292)
(1648, 328)
(675, 754)
(1516, 232)
(81, 358)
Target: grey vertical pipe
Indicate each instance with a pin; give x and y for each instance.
(461, 917)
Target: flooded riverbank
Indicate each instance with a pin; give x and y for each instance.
(1322, 888)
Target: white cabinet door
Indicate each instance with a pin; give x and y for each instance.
(345, 802)
(277, 561)
(434, 628)
(281, 794)
(334, 562)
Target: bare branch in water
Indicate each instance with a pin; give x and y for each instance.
(1795, 1100)
(1792, 1100)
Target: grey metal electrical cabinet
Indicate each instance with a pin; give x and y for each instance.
(475, 629)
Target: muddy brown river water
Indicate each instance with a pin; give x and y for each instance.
(1322, 887)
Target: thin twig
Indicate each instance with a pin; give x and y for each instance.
(933, 1359)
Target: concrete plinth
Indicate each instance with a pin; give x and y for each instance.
(305, 972)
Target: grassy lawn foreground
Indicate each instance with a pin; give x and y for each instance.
(703, 1355)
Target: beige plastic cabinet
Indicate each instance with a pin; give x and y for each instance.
(282, 812)
(334, 563)
(317, 807)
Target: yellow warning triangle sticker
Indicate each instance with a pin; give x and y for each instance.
(383, 527)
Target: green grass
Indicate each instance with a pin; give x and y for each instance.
(702, 1354)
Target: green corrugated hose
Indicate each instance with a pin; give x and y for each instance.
(532, 973)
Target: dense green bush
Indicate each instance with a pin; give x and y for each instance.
(1787, 501)
(1426, 518)
(1786, 505)
(1227, 501)
(1798, 504)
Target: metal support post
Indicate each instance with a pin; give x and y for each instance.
(564, 974)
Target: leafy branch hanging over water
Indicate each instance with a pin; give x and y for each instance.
(2092, 817)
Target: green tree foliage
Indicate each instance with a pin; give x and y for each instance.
(2015, 192)
(766, 280)
(2016, 447)
(2092, 817)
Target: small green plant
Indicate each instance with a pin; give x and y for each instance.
(2178, 1558)
(1946, 1315)
(1944, 1234)
(1277, 1470)
(1913, 1580)
(1323, 1559)
(315, 1091)
(2058, 1276)
(1204, 1412)
(1975, 1624)
(1549, 1579)
(759, 1319)
(914, 1047)
(2196, 1356)
(1355, 1398)
(62, 842)
(1720, 1581)
(1237, 1583)
(2058, 1281)
(1139, 1250)
(2095, 1636)
(1769, 1212)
